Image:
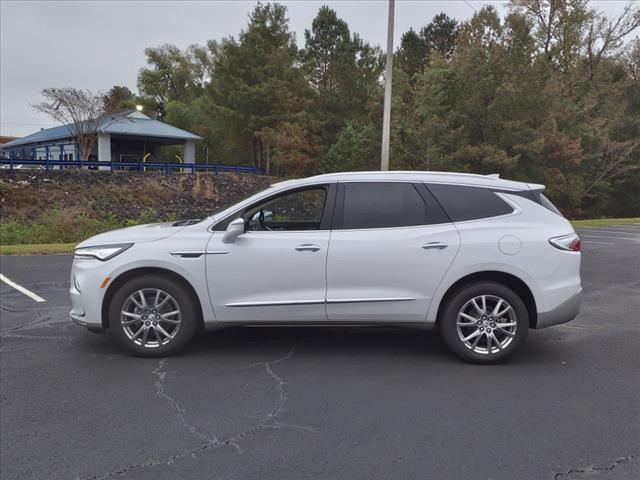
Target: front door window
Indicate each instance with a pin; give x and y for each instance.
(297, 211)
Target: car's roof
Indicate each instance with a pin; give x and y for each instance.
(414, 176)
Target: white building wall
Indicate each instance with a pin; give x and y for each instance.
(104, 149)
(189, 152)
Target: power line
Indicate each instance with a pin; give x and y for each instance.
(468, 4)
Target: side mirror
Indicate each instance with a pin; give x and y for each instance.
(234, 230)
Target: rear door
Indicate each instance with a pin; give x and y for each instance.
(391, 245)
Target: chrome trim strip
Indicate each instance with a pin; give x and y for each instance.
(371, 300)
(275, 303)
(197, 253)
(192, 254)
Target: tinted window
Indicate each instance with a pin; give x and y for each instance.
(435, 213)
(469, 203)
(379, 205)
(301, 210)
(546, 203)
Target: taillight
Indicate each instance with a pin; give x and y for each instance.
(570, 243)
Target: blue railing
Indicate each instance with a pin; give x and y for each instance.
(166, 167)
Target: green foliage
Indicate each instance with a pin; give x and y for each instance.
(547, 93)
(440, 35)
(343, 72)
(119, 99)
(355, 149)
(57, 225)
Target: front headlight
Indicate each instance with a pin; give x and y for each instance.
(101, 252)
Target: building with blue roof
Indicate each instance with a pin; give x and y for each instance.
(125, 137)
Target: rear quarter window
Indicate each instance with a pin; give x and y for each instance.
(546, 203)
(469, 203)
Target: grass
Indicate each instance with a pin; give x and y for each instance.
(600, 222)
(38, 249)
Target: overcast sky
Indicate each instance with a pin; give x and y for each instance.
(98, 44)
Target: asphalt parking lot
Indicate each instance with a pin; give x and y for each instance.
(334, 403)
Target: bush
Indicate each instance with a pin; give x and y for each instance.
(57, 225)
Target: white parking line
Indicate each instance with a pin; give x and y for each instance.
(21, 289)
(597, 230)
(609, 237)
(624, 227)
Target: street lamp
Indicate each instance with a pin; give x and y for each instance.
(386, 117)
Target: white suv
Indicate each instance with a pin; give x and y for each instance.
(482, 258)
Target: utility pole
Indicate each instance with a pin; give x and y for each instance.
(386, 118)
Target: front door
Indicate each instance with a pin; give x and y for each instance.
(276, 270)
(391, 246)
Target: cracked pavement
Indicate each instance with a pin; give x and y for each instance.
(330, 403)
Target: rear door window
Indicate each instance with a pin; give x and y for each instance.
(462, 202)
(380, 205)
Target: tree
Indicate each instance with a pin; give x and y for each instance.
(605, 35)
(173, 74)
(81, 111)
(356, 148)
(117, 99)
(412, 55)
(343, 71)
(559, 27)
(258, 83)
(440, 35)
(327, 49)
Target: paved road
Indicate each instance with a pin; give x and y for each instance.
(324, 403)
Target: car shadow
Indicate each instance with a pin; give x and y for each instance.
(267, 341)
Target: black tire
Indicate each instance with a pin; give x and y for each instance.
(491, 354)
(190, 316)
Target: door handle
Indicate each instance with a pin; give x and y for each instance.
(435, 245)
(307, 247)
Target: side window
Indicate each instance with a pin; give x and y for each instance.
(300, 210)
(469, 203)
(380, 205)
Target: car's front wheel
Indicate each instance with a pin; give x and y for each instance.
(484, 322)
(153, 316)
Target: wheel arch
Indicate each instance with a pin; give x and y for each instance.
(136, 272)
(507, 279)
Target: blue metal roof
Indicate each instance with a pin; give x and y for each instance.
(130, 123)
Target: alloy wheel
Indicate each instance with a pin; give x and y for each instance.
(486, 324)
(150, 317)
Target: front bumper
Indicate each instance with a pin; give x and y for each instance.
(79, 320)
(563, 313)
(86, 294)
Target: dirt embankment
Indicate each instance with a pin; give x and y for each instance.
(123, 195)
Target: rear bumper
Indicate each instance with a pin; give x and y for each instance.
(563, 313)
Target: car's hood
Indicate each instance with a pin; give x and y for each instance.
(137, 234)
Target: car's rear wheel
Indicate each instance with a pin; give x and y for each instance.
(484, 322)
(153, 316)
